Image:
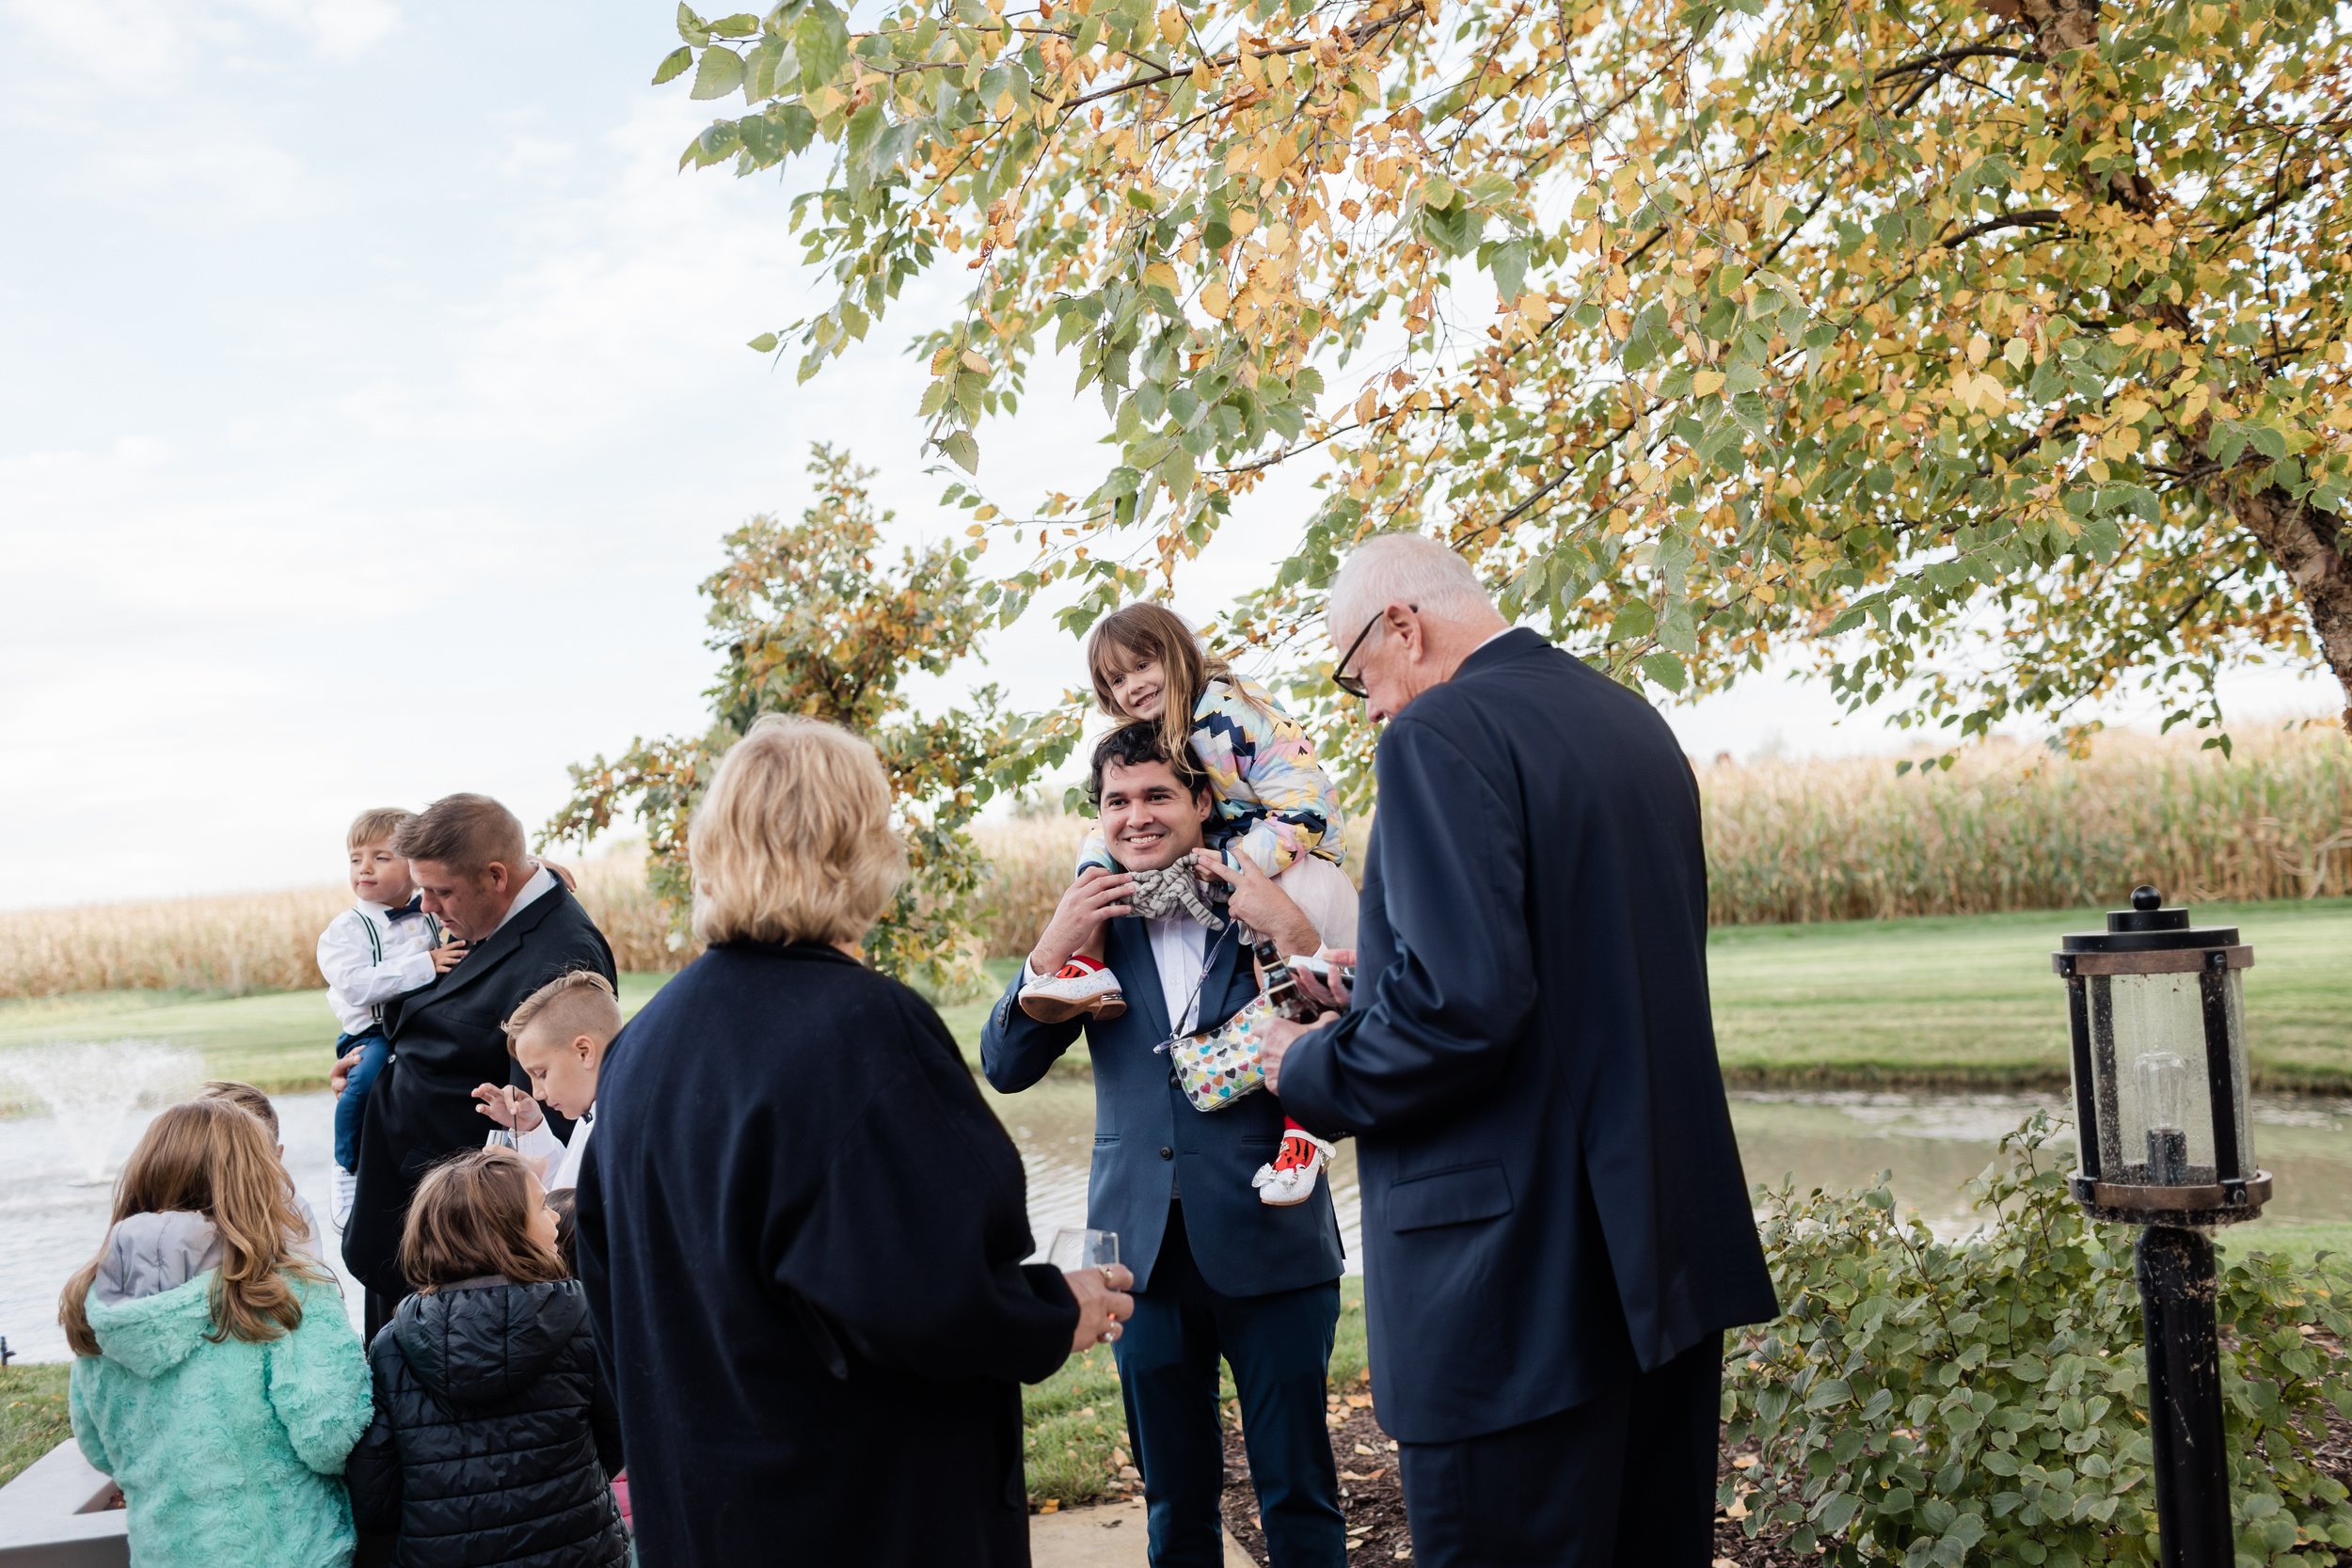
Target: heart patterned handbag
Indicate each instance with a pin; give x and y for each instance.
(1216, 1067)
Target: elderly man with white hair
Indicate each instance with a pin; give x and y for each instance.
(1556, 1226)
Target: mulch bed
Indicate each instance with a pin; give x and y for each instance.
(1373, 1497)
(1369, 1489)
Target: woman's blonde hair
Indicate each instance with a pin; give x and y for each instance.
(212, 1157)
(793, 842)
(471, 1217)
(1129, 635)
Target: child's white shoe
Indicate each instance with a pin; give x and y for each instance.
(1291, 1179)
(1080, 985)
(346, 1191)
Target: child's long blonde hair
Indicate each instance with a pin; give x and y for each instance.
(1127, 637)
(213, 1158)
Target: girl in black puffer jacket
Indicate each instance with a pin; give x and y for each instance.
(494, 1440)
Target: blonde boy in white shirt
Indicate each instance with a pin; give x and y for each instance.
(558, 1036)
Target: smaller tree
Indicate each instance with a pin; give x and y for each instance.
(804, 621)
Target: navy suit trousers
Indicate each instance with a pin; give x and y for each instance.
(1280, 1347)
(1625, 1479)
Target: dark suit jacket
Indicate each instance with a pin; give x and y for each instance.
(1551, 1190)
(801, 1232)
(1148, 1138)
(446, 1038)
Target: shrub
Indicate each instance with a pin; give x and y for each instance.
(1924, 1403)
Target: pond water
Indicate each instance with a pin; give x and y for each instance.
(52, 1211)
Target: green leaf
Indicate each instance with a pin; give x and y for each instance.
(1635, 618)
(1509, 266)
(822, 41)
(1665, 669)
(1452, 228)
(719, 73)
(961, 450)
(742, 24)
(674, 64)
(764, 343)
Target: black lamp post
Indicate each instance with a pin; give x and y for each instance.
(2159, 1069)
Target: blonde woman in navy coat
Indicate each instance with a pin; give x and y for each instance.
(800, 1228)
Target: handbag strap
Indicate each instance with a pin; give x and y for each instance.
(1192, 1004)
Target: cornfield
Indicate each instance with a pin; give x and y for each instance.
(2012, 827)
(2009, 827)
(253, 942)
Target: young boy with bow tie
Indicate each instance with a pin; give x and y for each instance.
(385, 945)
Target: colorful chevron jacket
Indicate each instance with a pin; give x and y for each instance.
(1274, 801)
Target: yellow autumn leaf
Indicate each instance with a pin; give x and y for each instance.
(977, 366)
(1706, 383)
(1160, 275)
(1216, 298)
(1172, 25)
(1366, 402)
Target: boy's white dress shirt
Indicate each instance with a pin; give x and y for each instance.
(369, 958)
(541, 1142)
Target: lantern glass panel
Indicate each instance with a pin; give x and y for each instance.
(2148, 1045)
(2233, 991)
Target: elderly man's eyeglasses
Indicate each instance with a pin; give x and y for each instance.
(1354, 685)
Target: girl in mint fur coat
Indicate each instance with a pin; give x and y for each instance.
(219, 1379)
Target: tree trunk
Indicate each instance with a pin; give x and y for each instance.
(2308, 544)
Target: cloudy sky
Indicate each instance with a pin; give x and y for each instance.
(373, 399)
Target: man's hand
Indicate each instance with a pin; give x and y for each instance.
(1280, 1035)
(1333, 994)
(1257, 903)
(345, 1065)
(446, 955)
(1097, 896)
(508, 1106)
(1103, 1304)
(564, 874)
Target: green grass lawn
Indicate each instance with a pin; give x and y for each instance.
(1953, 1002)
(32, 1415)
(1970, 1000)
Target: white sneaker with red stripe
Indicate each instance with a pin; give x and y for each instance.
(1291, 1179)
(1080, 985)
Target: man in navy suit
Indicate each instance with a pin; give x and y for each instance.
(1217, 1271)
(1557, 1231)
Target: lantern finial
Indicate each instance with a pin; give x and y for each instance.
(2145, 897)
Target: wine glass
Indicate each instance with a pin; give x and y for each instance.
(1074, 1249)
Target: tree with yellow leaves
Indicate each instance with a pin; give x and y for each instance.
(1988, 352)
(805, 620)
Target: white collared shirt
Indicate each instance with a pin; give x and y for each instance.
(1179, 946)
(542, 882)
(368, 958)
(562, 1160)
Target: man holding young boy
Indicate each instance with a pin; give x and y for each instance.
(1216, 1273)
(522, 928)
